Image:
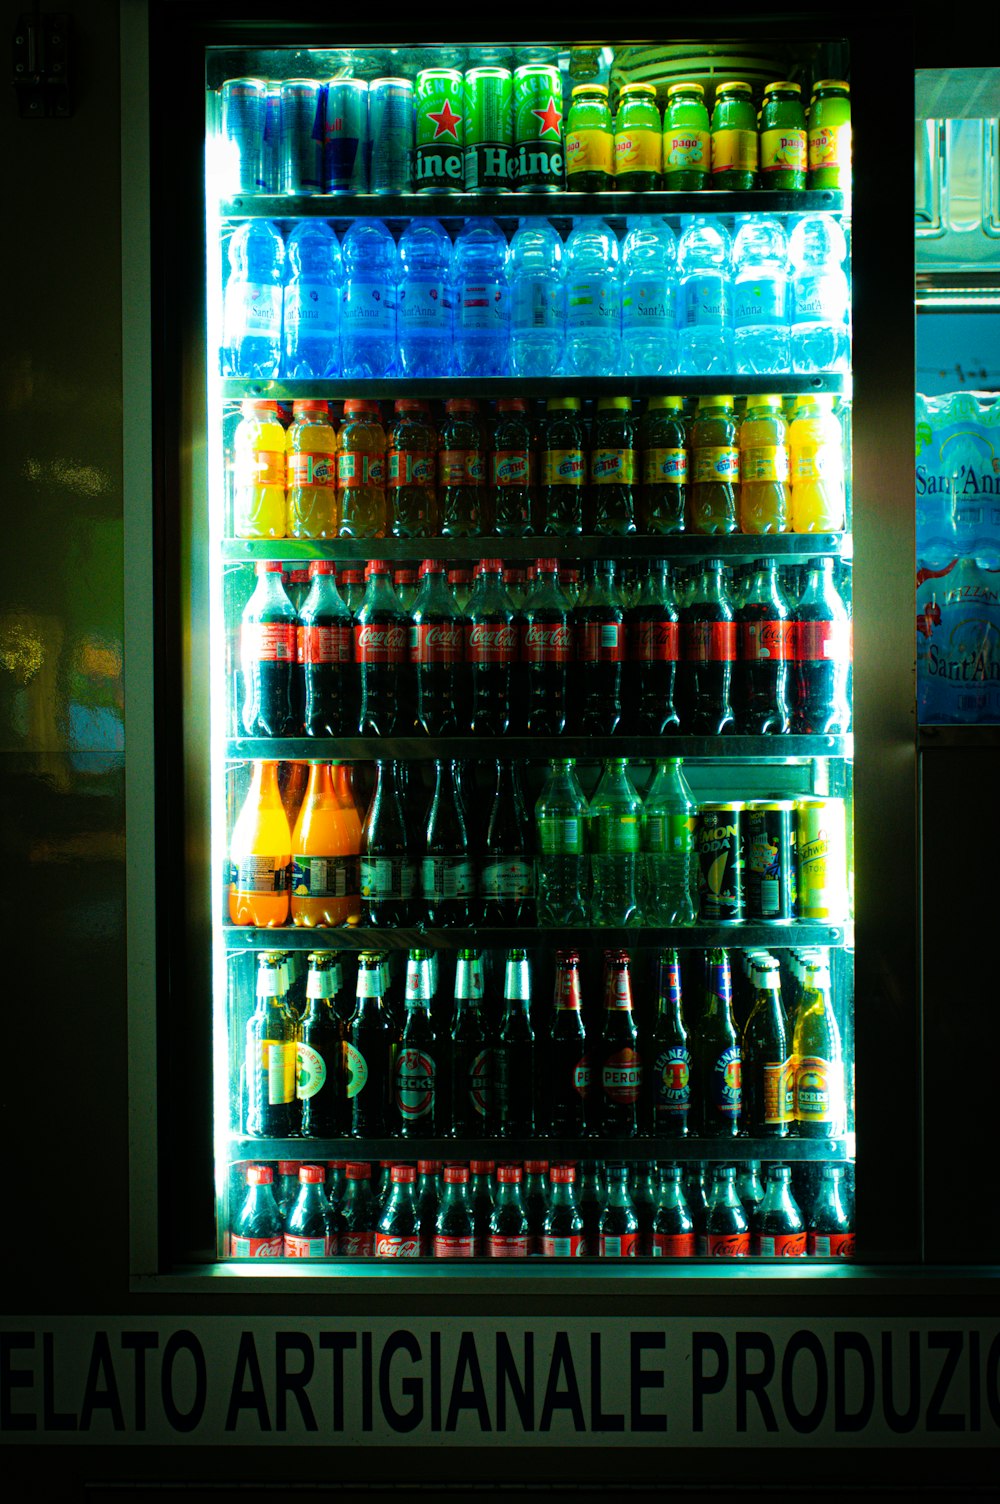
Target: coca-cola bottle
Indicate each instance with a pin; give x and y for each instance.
(286, 1185)
(764, 646)
(481, 1197)
(327, 691)
(512, 469)
(619, 1235)
(619, 1067)
(716, 1061)
(696, 1196)
(381, 650)
(369, 1052)
(462, 491)
(776, 1228)
(515, 1053)
(471, 1063)
(397, 1235)
(829, 1233)
(562, 1230)
(568, 1073)
(645, 1193)
(267, 656)
(507, 872)
(436, 653)
(669, 1056)
(320, 1084)
(492, 650)
(821, 656)
(727, 1232)
(673, 1224)
(508, 1236)
(536, 1200)
(547, 650)
(309, 1227)
(748, 1186)
(388, 869)
(653, 646)
(599, 649)
(454, 1234)
(358, 1212)
(767, 1074)
(708, 652)
(447, 876)
(414, 1068)
(428, 1200)
(590, 1200)
(257, 1230)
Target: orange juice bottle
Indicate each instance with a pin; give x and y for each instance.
(259, 473)
(325, 862)
(361, 471)
(816, 443)
(763, 506)
(260, 853)
(311, 472)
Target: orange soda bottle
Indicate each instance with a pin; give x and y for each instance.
(311, 472)
(326, 879)
(260, 854)
(343, 783)
(763, 505)
(259, 473)
(361, 471)
(816, 444)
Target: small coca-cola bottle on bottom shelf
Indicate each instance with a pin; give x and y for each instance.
(619, 1223)
(381, 651)
(673, 1224)
(257, 1231)
(454, 1232)
(508, 1236)
(777, 1228)
(829, 1233)
(359, 1212)
(428, 1200)
(562, 1230)
(481, 1197)
(727, 1231)
(309, 1227)
(492, 650)
(536, 1199)
(398, 1236)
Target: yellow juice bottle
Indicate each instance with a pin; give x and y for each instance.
(259, 473)
(763, 504)
(816, 445)
(311, 473)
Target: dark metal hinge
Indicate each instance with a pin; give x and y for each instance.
(42, 57)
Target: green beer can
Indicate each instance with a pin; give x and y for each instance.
(437, 164)
(489, 129)
(538, 128)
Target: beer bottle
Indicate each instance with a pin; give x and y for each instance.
(447, 876)
(388, 871)
(508, 1229)
(515, 1053)
(619, 1236)
(320, 1085)
(369, 1051)
(768, 1095)
(507, 875)
(727, 1232)
(776, 1226)
(817, 1060)
(618, 1055)
(471, 1065)
(673, 1225)
(414, 1069)
(715, 1054)
(272, 1037)
(670, 1077)
(568, 1076)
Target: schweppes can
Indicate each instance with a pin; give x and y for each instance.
(821, 860)
(768, 863)
(720, 862)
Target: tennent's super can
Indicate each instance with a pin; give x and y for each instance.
(768, 868)
(390, 125)
(345, 136)
(301, 136)
(538, 128)
(437, 164)
(244, 104)
(489, 129)
(720, 862)
(821, 860)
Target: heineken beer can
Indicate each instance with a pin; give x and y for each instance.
(438, 166)
(719, 855)
(768, 866)
(538, 129)
(821, 860)
(345, 136)
(390, 127)
(301, 136)
(489, 129)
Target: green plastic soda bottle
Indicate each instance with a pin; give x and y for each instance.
(615, 841)
(561, 865)
(668, 815)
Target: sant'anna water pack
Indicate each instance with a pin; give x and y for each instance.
(958, 643)
(958, 478)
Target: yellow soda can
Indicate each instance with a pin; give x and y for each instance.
(821, 860)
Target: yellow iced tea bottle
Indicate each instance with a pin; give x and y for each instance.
(259, 473)
(260, 853)
(311, 473)
(763, 506)
(715, 467)
(816, 448)
(361, 471)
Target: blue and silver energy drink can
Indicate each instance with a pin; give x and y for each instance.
(345, 136)
(244, 105)
(271, 176)
(391, 120)
(301, 136)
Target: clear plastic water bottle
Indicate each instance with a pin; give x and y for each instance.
(760, 297)
(481, 299)
(537, 299)
(704, 299)
(368, 302)
(668, 812)
(820, 295)
(615, 829)
(312, 301)
(649, 294)
(561, 823)
(593, 300)
(252, 306)
(423, 309)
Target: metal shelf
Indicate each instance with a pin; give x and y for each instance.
(288, 389)
(799, 932)
(744, 749)
(630, 546)
(686, 1150)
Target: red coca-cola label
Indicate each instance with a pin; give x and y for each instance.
(624, 1245)
(357, 1245)
(673, 1245)
(513, 467)
(299, 1247)
(548, 642)
(600, 642)
(453, 1248)
(765, 641)
(380, 642)
(572, 1247)
(508, 1248)
(780, 1245)
(709, 641)
(728, 1245)
(325, 644)
(391, 1245)
(830, 1245)
(491, 642)
(461, 467)
(269, 641)
(821, 641)
(621, 1077)
(255, 1248)
(436, 642)
(656, 642)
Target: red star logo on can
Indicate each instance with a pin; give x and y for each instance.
(550, 117)
(445, 121)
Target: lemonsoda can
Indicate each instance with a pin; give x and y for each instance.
(489, 129)
(821, 860)
(538, 128)
(440, 106)
(718, 845)
(390, 124)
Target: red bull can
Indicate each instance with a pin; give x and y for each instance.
(301, 136)
(345, 136)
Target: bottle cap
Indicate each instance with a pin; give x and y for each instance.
(512, 405)
(733, 87)
(311, 1174)
(562, 1174)
(356, 405)
(409, 405)
(535, 1166)
(458, 576)
(547, 566)
(359, 1172)
(288, 1166)
(589, 89)
(718, 401)
(658, 404)
(260, 1175)
(480, 1166)
(269, 566)
(509, 1175)
(637, 89)
(489, 564)
(691, 88)
(310, 405)
(352, 576)
(830, 83)
(403, 1175)
(562, 404)
(456, 1175)
(615, 404)
(428, 1166)
(764, 399)
(429, 566)
(322, 566)
(783, 85)
(251, 407)
(461, 405)
(377, 566)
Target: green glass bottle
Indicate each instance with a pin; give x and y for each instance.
(687, 141)
(783, 143)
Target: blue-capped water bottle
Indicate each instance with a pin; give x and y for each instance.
(760, 297)
(481, 299)
(312, 301)
(251, 314)
(537, 299)
(649, 289)
(368, 301)
(821, 297)
(593, 300)
(705, 299)
(423, 309)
